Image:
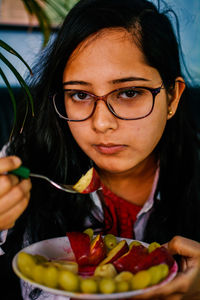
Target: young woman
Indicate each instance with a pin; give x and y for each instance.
(109, 93)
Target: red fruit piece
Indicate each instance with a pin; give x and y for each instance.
(80, 244)
(120, 249)
(130, 260)
(86, 271)
(88, 183)
(86, 253)
(97, 251)
(139, 259)
(158, 256)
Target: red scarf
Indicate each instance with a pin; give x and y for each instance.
(119, 214)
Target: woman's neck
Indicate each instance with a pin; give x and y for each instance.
(135, 185)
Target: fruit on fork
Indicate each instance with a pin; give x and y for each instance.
(88, 183)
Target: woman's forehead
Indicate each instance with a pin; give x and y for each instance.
(111, 53)
(117, 34)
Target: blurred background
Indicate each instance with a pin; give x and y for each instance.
(22, 27)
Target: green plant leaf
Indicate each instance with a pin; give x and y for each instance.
(20, 79)
(43, 19)
(12, 96)
(57, 7)
(12, 51)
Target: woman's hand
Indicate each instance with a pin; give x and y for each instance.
(186, 285)
(14, 194)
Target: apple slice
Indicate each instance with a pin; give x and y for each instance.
(158, 256)
(80, 244)
(131, 260)
(116, 252)
(97, 251)
(138, 259)
(88, 183)
(86, 253)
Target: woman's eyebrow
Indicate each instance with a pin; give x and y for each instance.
(127, 79)
(76, 82)
(114, 81)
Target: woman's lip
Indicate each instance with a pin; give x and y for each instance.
(109, 148)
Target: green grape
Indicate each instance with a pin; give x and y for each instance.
(141, 280)
(107, 285)
(156, 274)
(90, 232)
(124, 276)
(38, 273)
(25, 262)
(50, 278)
(123, 286)
(164, 270)
(107, 270)
(68, 281)
(153, 246)
(134, 243)
(89, 286)
(110, 241)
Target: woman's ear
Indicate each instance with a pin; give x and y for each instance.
(174, 96)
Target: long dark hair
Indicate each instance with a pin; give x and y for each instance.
(46, 145)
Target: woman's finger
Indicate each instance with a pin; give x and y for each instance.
(7, 220)
(7, 182)
(184, 247)
(15, 195)
(9, 163)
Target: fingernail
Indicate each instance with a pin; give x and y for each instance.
(17, 160)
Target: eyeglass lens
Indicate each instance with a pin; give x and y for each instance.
(125, 103)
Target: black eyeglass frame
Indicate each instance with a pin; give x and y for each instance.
(154, 92)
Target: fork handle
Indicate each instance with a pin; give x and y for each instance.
(22, 172)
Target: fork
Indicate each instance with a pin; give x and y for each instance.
(25, 173)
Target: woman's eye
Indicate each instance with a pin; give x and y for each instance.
(80, 96)
(128, 94)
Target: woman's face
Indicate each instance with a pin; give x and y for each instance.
(107, 62)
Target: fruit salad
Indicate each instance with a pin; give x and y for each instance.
(103, 264)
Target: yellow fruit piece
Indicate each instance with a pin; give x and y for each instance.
(38, 273)
(89, 286)
(153, 246)
(134, 243)
(122, 286)
(90, 232)
(164, 269)
(68, 281)
(26, 262)
(156, 274)
(107, 286)
(110, 241)
(124, 276)
(50, 278)
(107, 270)
(84, 181)
(66, 265)
(141, 280)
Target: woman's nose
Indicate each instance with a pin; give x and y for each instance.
(102, 119)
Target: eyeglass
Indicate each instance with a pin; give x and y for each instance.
(127, 103)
